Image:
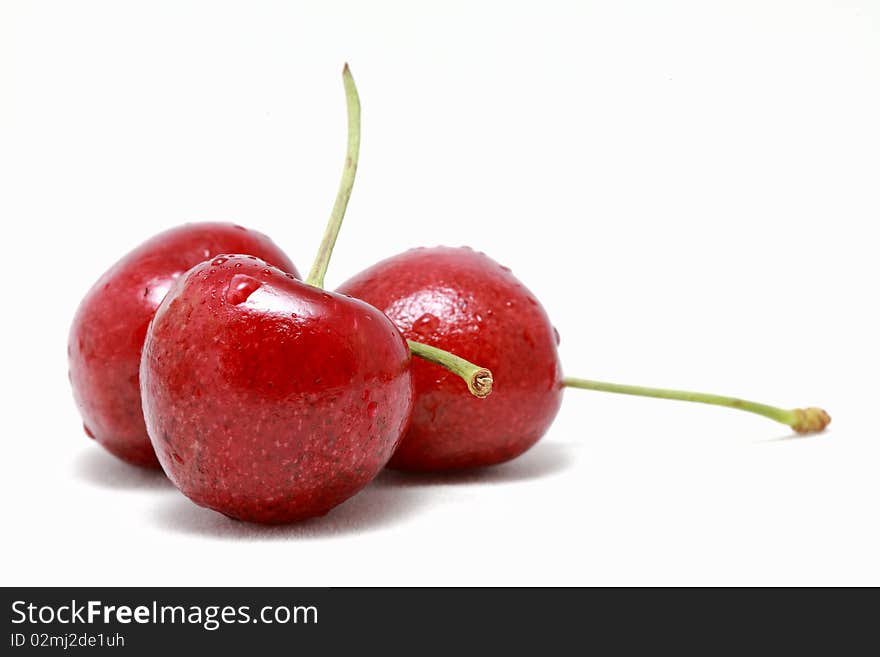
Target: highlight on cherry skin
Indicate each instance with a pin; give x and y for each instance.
(107, 333)
(463, 301)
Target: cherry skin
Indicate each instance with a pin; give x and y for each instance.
(464, 302)
(268, 399)
(108, 330)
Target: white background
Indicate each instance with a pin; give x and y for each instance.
(690, 188)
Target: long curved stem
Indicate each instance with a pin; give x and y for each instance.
(479, 379)
(802, 420)
(353, 105)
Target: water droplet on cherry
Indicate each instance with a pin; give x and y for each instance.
(217, 261)
(426, 324)
(241, 287)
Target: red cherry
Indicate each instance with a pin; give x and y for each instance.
(109, 327)
(268, 399)
(466, 303)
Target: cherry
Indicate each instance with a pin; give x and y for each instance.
(269, 399)
(109, 327)
(466, 303)
(463, 301)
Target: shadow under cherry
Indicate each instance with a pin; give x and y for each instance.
(98, 468)
(372, 509)
(388, 500)
(543, 460)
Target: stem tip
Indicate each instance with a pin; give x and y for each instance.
(810, 420)
(480, 384)
(478, 379)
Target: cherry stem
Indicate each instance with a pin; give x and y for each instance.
(802, 420)
(478, 379)
(353, 105)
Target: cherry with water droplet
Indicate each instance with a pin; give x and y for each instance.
(449, 430)
(284, 366)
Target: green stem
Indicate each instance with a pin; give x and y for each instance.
(802, 420)
(478, 379)
(353, 105)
